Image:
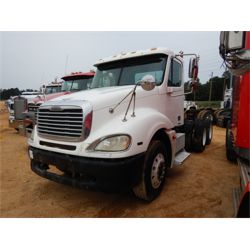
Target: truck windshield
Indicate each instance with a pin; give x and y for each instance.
(52, 89)
(129, 71)
(76, 85)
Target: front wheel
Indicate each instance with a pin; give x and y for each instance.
(200, 136)
(188, 129)
(153, 172)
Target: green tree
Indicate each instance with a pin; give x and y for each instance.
(202, 90)
(7, 93)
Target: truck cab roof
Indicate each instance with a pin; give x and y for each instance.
(78, 75)
(132, 54)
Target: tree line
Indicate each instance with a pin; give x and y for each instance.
(216, 86)
(7, 93)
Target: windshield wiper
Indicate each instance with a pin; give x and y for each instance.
(133, 96)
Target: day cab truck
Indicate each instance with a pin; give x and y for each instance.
(24, 112)
(16, 105)
(125, 131)
(73, 82)
(235, 50)
(19, 104)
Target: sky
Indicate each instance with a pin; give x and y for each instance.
(28, 59)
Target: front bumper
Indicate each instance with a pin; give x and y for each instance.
(89, 173)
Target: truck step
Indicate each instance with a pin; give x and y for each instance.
(180, 157)
(244, 173)
(180, 141)
(236, 199)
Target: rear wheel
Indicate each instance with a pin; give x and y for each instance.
(206, 115)
(153, 172)
(199, 139)
(216, 112)
(209, 131)
(190, 114)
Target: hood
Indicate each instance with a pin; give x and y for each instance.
(29, 97)
(102, 97)
(49, 97)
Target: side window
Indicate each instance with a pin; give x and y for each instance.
(175, 74)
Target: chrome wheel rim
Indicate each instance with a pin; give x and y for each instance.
(204, 137)
(158, 170)
(210, 131)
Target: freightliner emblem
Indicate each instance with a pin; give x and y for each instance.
(56, 108)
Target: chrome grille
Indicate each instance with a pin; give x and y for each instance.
(63, 124)
(33, 107)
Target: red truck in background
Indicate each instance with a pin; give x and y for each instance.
(73, 82)
(76, 81)
(235, 50)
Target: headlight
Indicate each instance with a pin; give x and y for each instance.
(111, 143)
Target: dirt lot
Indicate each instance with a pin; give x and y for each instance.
(201, 187)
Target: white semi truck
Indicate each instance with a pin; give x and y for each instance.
(123, 133)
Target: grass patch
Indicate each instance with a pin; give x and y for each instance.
(207, 104)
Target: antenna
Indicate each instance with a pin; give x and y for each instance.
(42, 77)
(66, 64)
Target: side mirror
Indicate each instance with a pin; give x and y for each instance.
(148, 82)
(193, 68)
(148, 85)
(188, 86)
(232, 40)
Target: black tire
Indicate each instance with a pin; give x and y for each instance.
(199, 138)
(153, 172)
(243, 210)
(190, 114)
(220, 117)
(219, 112)
(188, 130)
(200, 114)
(216, 112)
(205, 115)
(230, 153)
(209, 131)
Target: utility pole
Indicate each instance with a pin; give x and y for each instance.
(211, 86)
